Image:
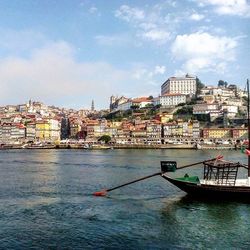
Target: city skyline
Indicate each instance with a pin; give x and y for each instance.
(69, 53)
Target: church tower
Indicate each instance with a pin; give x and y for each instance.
(92, 106)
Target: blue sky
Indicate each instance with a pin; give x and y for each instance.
(69, 52)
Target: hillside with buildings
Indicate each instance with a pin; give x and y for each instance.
(185, 111)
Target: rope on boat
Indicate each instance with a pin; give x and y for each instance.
(200, 162)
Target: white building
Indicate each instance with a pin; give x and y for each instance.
(124, 106)
(141, 102)
(55, 129)
(170, 99)
(181, 85)
(205, 108)
(230, 109)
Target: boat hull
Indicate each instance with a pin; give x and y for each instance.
(211, 191)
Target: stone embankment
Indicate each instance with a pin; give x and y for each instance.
(122, 146)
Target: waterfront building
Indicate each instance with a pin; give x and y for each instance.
(123, 136)
(216, 133)
(196, 129)
(18, 132)
(181, 85)
(6, 132)
(139, 136)
(239, 133)
(187, 129)
(54, 129)
(31, 131)
(65, 128)
(74, 128)
(169, 129)
(42, 130)
(154, 132)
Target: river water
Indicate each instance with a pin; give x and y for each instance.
(47, 203)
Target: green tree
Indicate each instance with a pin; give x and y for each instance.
(105, 138)
(134, 106)
(199, 86)
(222, 83)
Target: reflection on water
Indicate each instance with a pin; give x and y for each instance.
(46, 202)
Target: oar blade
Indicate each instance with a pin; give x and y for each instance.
(100, 193)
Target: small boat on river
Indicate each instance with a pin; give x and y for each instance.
(219, 180)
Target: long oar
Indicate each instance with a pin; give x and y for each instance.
(105, 191)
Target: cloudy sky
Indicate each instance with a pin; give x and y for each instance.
(68, 52)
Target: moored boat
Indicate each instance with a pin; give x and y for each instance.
(219, 180)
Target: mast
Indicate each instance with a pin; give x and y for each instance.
(248, 124)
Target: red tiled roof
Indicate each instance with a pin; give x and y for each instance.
(141, 99)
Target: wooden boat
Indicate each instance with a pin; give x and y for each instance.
(220, 180)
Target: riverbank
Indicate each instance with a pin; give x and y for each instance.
(120, 146)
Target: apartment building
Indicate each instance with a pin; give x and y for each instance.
(216, 133)
(154, 132)
(31, 131)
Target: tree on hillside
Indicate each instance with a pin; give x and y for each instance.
(199, 86)
(222, 83)
(134, 106)
(105, 138)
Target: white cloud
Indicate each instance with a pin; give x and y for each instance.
(160, 36)
(93, 10)
(197, 17)
(52, 74)
(160, 69)
(111, 40)
(147, 75)
(129, 14)
(202, 51)
(228, 7)
(150, 25)
(21, 41)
